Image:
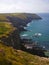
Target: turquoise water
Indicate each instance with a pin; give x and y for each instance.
(38, 26)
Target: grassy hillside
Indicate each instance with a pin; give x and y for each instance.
(5, 28)
(23, 16)
(9, 34)
(10, 56)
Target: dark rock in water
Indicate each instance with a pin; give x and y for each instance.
(33, 50)
(32, 47)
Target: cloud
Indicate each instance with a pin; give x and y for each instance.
(24, 6)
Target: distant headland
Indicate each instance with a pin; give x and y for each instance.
(19, 20)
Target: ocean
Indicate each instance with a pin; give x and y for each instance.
(38, 30)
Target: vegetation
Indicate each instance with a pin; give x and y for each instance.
(5, 28)
(19, 15)
(10, 56)
(23, 16)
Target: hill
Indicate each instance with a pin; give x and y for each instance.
(9, 34)
(19, 20)
(5, 28)
(10, 56)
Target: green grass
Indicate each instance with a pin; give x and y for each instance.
(10, 56)
(5, 28)
(20, 15)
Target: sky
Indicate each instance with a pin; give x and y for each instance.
(32, 6)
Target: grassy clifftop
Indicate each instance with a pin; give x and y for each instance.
(19, 15)
(10, 56)
(9, 34)
(19, 20)
(5, 28)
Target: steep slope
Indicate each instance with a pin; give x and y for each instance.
(9, 34)
(5, 28)
(23, 18)
(19, 20)
(10, 56)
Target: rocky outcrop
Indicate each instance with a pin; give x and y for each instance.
(20, 20)
(13, 39)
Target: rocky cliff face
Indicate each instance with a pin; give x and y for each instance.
(18, 20)
(13, 39)
(9, 35)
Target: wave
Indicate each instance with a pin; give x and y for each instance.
(24, 35)
(28, 24)
(37, 34)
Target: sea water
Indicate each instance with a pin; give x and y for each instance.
(38, 27)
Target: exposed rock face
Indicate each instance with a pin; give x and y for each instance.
(20, 20)
(12, 40)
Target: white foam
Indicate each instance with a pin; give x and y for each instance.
(28, 24)
(37, 34)
(24, 35)
(24, 27)
(43, 46)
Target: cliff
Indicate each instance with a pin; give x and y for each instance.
(9, 35)
(10, 56)
(10, 53)
(19, 20)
